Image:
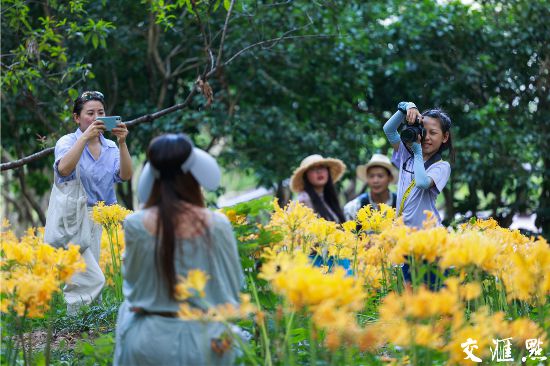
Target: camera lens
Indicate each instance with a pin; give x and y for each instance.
(408, 135)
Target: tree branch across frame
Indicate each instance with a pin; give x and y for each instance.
(153, 116)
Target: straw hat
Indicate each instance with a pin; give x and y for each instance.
(378, 160)
(336, 168)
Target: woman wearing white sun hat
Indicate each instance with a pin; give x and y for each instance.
(314, 182)
(378, 173)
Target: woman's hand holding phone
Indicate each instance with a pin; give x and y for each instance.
(94, 130)
(121, 132)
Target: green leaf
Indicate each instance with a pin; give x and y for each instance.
(298, 335)
(190, 7)
(95, 40)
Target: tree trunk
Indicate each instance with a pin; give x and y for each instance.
(282, 194)
(448, 194)
(30, 199)
(349, 193)
(543, 211)
(124, 191)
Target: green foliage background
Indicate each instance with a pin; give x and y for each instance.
(326, 88)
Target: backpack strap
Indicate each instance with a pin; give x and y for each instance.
(363, 199)
(434, 159)
(405, 196)
(393, 200)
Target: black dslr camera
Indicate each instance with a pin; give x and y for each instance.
(410, 133)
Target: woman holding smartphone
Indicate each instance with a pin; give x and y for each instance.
(100, 164)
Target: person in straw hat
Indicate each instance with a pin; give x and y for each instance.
(314, 182)
(378, 173)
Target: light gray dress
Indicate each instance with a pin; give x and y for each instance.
(158, 340)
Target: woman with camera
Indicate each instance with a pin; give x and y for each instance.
(173, 234)
(417, 152)
(99, 164)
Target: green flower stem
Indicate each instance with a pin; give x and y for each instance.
(312, 344)
(263, 330)
(47, 349)
(116, 272)
(412, 269)
(348, 354)
(355, 261)
(287, 343)
(21, 333)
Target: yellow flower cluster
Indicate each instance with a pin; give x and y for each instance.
(527, 275)
(33, 271)
(233, 217)
(193, 286)
(293, 217)
(489, 260)
(292, 221)
(376, 220)
(485, 327)
(418, 318)
(436, 320)
(305, 232)
(109, 216)
(219, 313)
(425, 244)
(522, 264)
(332, 297)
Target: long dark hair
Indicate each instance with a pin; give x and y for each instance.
(330, 196)
(445, 122)
(172, 187)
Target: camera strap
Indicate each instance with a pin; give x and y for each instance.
(431, 161)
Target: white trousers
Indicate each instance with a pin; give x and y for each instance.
(84, 287)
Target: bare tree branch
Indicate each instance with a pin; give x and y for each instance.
(205, 38)
(272, 42)
(26, 160)
(129, 124)
(156, 115)
(151, 117)
(194, 60)
(220, 50)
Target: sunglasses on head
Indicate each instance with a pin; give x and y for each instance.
(88, 95)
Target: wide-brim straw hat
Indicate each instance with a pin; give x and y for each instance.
(378, 160)
(336, 168)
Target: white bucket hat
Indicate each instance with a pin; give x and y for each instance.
(200, 164)
(378, 160)
(336, 168)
